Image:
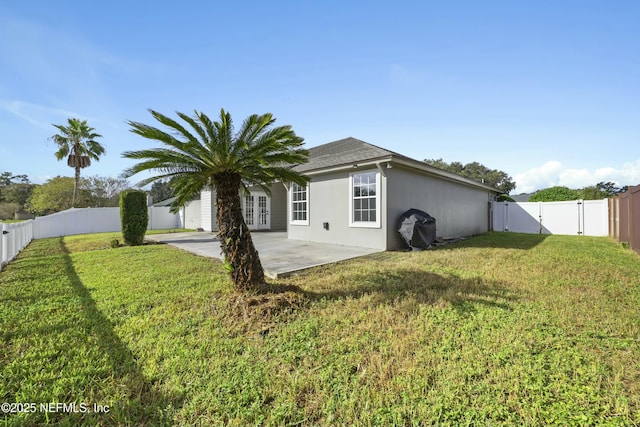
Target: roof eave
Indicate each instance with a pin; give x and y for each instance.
(423, 167)
(347, 166)
(407, 162)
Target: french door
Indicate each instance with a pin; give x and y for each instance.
(256, 211)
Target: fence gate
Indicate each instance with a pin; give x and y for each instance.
(577, 217)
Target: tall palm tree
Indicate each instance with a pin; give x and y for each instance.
(206, 152)
(77, 142)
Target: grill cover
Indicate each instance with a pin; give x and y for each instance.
(417, 229)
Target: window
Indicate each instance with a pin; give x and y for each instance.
(365, 202)
(299, 204)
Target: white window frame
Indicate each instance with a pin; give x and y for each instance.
(291, 189)
(365, 224)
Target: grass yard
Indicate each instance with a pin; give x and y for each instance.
(501, 329)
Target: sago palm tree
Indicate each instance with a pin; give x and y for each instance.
(202, 153)
(77, 142)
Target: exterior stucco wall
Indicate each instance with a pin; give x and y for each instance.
(278, 207)
(459, 210)
(329, 202)
(191, 215)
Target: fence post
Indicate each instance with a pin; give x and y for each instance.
(9, 243)
(580, 217)
(506, 216)
(540, 213)
(2, 245)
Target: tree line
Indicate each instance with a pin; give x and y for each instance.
(18, 193)
(505, 184)
(601, 190)
(56, 194)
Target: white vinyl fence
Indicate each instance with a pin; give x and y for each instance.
(578, 217)
(14, 238)
(97, 220)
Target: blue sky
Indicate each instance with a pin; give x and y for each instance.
(547, 91)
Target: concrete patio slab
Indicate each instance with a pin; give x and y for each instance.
(280, 256)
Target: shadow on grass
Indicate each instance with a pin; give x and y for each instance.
(500, 240)
(425, 288)
(145, 403)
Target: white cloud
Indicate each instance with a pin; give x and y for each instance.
(545, 176)
(38, 115)
(553, 173)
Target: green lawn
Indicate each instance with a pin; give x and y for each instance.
(501, 329)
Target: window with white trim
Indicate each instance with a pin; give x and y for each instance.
(365, 199)
(299, 204)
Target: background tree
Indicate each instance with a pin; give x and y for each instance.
(55, 196)
(601, 190)
(8, 210)
(77, 142)
(161, 190)
(213, 153)
(504, 198)
(104, 190)
(477, 172)
(8, 178)
(18, 193)
(592, 192)
(610, 188)
(15, 190)
(554, 194)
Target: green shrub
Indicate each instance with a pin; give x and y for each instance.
(555, 194)
(505, 198)
(134, 216)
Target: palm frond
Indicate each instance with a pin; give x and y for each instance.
(195, 126)
(224, 130)
(259, 153)
(170, 123)
(186, 187)
(210, 129)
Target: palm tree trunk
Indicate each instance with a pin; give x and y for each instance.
(235, 238)
(75, 188)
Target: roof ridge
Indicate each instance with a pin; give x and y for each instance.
(351, 138)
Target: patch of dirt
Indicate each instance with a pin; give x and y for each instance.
(257, 312)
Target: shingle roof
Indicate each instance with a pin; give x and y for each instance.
(350, 151)
(166, 202)
(342, 152)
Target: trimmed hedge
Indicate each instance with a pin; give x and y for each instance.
(134, 216)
